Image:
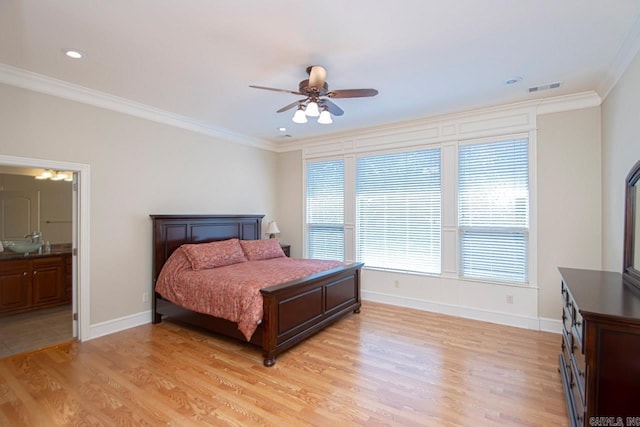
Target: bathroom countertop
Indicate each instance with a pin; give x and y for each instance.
(56, 250)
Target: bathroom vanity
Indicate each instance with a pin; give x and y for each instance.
(35, 281)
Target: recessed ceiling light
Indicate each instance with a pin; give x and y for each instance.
(282, 129)
(74, 54)
(513, 80)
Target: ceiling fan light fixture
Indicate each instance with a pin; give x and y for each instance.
(299, 116)
(312, 109)
(325, 117)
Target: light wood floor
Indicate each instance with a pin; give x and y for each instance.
(384, 366)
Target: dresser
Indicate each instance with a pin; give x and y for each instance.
(600, 358)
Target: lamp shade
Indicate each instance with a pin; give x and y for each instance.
(312, 109)
(299, 116)
(325, 117)
(273, 229)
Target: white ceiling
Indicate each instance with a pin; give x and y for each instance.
(196, 58)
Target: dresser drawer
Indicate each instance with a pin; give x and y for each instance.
(578, 404)
(578, 324)
(566, 352)
(567, 319)
(577, 373)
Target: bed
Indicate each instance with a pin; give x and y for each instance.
(292, 311)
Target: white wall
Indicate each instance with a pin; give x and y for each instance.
(138, 168)
(569, 203)
(290, 206)
(620, 151)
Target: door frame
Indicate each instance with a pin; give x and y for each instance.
(80, 246)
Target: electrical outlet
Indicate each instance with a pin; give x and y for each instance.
(509, 299)
(145, 297)
(396, 283)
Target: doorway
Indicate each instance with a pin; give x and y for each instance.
(79, 253)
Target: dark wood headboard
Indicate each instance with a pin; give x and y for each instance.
(171, 231)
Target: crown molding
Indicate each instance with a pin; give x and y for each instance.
(575, 101)
(39, 83)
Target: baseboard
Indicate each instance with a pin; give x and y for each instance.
(117, 325)
(551, 325)
(508, 319)
(541, 324)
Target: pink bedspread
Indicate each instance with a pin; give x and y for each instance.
(231, 292)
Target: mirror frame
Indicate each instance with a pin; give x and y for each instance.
(630, 273)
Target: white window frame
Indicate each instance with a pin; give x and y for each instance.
(449, 171)
(531, 232)
(354, 201)
(305, 212)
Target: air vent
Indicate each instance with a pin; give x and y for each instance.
(555, 85)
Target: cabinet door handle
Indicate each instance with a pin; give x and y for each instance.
(35, 272)
(24, 273)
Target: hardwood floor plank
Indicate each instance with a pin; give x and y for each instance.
(385, 366)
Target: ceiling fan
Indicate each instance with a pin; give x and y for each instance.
(316, 94)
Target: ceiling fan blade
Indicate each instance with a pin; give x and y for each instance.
(352, 93)
(333, 108)
(276, 90)
(317, 76)
(290, 106)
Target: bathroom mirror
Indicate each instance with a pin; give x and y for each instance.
(631, 267)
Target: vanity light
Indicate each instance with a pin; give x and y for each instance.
(59, 176)
(55, 175)
(45, 175)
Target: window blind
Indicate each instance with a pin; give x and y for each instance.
(398, 211)
(493, 210)
(325, 210)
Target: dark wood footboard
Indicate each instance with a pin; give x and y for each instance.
(296, 310)
(293, 311)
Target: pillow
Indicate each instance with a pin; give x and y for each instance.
(214, 254)
(262, 249)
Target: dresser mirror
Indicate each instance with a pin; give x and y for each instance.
(631, 271)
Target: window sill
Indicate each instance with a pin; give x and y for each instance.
(453, 277)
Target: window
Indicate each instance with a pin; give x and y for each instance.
(493, 210)
(325, 210)
(398, 212)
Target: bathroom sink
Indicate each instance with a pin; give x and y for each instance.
(21, 246)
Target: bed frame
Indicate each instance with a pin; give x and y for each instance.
(293, 311)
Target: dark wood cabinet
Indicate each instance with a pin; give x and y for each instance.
(47, 280)
(33, 283)
(600, 357)
(15, 286)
